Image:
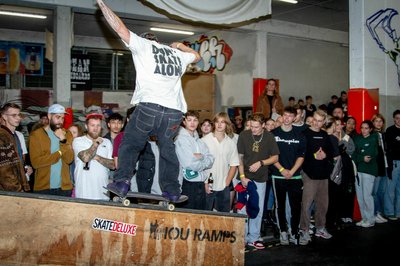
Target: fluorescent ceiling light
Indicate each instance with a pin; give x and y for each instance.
(173, 31)
(289, 1)
(19, 14)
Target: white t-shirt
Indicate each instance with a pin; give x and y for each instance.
(225, 154)
(22, 141)
(89, 183)
(159, 69)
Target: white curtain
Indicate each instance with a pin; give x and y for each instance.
(215, 11)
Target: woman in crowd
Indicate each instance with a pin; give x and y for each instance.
(205, 127)
(365, 157)
(270, 103)
(381, 180)
(76, 131)
(333, 188)
(350, 127)
(346, 188)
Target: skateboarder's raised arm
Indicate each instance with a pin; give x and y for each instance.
(114, 21)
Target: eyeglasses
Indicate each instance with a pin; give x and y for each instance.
(16, 115)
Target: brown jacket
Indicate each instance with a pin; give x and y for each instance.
(12, 173)
(264, 107)
(42, 159)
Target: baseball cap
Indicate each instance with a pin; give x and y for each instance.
(56, 109)
(149, 36)
(94, 115)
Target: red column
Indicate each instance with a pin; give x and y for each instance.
(68, 118)
(362, 105)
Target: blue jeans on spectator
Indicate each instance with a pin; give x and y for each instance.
(392, 196)
(151, 119)
(378, 193)
(253, 226)
(269, 198)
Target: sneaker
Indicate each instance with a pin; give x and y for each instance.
(349, 220)
(360, 223)
(304, 238)
(256, 245)
(171, 198)
(392, 218)
(382, 218)
(379, 219)
(311, 229)
(284, 238)
(120, 188)
(294, 239)
(367, 224)
(323, 233)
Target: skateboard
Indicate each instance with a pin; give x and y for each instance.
(161, 200)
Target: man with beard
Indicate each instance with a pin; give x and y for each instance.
(50, 149)
(93, 161)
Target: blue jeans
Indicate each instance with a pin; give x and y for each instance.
(378, 192)
(253, 226)
(392, 196)
(151, 119)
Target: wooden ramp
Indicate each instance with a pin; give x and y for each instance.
(45, 230)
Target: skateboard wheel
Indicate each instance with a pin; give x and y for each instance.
(116, 199)
(171, 207)
(126, 202)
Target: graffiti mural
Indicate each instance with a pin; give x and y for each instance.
(215, 53)
(382, 30)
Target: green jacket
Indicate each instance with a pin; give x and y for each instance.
(366, 146)
(42, 159)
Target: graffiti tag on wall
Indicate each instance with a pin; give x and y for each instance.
(382, 30)
(215, 53)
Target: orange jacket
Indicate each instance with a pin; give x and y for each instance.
(264, 107)
(42, 159)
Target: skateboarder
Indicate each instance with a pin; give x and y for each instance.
(160, 104)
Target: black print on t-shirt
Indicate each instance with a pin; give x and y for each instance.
(167, 63)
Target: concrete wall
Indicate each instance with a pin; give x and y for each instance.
(308, 67)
